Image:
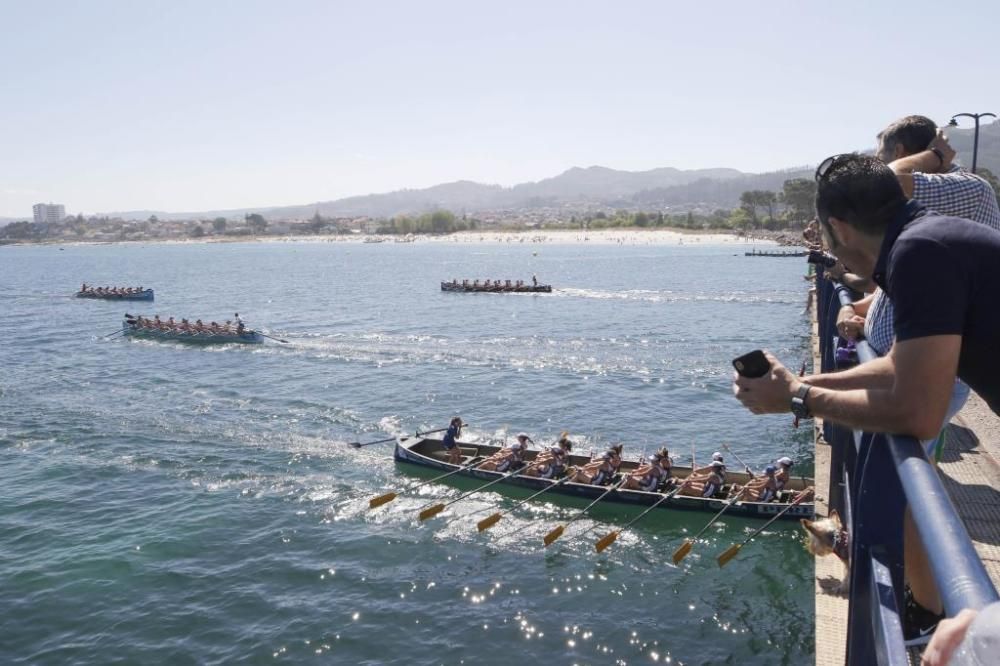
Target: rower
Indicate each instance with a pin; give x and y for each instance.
(705, 484)
(783, 474)
(551, 463)
(83, 288)
(597, 472)
(763, 488)
(648, 477)
(534, 280)
(450, 439)
(508, 458)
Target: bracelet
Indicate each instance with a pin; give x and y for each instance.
(938, 153)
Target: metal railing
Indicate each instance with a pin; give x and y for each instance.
(873, 478)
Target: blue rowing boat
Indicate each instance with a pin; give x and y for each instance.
(144, 295)
(247, 337)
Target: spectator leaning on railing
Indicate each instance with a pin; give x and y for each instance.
(920, 156)
(940, 273)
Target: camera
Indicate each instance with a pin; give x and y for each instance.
(824, 259)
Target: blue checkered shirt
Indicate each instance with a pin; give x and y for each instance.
(957, 193)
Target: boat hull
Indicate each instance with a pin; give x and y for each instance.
(145, 295)
(247, 338)
(428, 453)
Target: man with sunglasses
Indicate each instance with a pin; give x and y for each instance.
(921, 157)
(940, 274)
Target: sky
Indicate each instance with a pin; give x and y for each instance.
(116, 105)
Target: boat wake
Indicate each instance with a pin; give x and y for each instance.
(667, 296)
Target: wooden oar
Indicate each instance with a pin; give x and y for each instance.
(612, 536)
(557, 532)
(358, 445)
(731, 552)
(746, 466)
(273, 338)
(435, 509)
(492, 520)
(376, 502)
(685, 547)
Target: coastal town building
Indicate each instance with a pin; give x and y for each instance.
(49, 212)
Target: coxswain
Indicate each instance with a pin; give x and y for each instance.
(534, 280)
(83, 289)
(450, 439)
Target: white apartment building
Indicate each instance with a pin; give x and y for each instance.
(49, 212)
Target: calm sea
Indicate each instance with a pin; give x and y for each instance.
(163, 503)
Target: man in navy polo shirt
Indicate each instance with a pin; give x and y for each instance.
(942, 274)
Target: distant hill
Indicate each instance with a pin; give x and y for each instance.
(595, 185)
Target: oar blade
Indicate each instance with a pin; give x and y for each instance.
(606, 541)
(356, 445)
(553, 535)
(488, 522)
(376, 502)
(431, 511)
(683, 551)
(729, 554)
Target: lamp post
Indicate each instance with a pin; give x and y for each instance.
(975, 138)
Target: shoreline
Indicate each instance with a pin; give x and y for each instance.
(620, 236)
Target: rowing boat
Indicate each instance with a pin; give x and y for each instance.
(247, 337)
(430, 453)
(497, 289)
(144, 295)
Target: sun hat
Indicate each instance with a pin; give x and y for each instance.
(770, 469)
(786, 461)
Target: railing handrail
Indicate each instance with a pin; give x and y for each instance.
(957, 570)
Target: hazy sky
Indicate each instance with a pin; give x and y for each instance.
(184, 106)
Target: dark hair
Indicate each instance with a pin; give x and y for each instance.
(914, 133)
(860, 190)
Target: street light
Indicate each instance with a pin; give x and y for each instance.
(975, 139)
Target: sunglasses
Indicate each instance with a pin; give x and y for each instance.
(824, 167)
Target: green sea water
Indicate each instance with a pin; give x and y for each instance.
(163, 503)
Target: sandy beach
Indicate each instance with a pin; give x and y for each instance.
(560, 237)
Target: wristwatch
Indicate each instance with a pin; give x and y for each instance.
(938, 153)
(799, 407)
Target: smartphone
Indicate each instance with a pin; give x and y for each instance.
(754, 364)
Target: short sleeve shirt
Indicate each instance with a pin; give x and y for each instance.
(943, 276)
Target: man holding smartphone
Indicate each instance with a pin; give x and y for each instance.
(940, 274)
